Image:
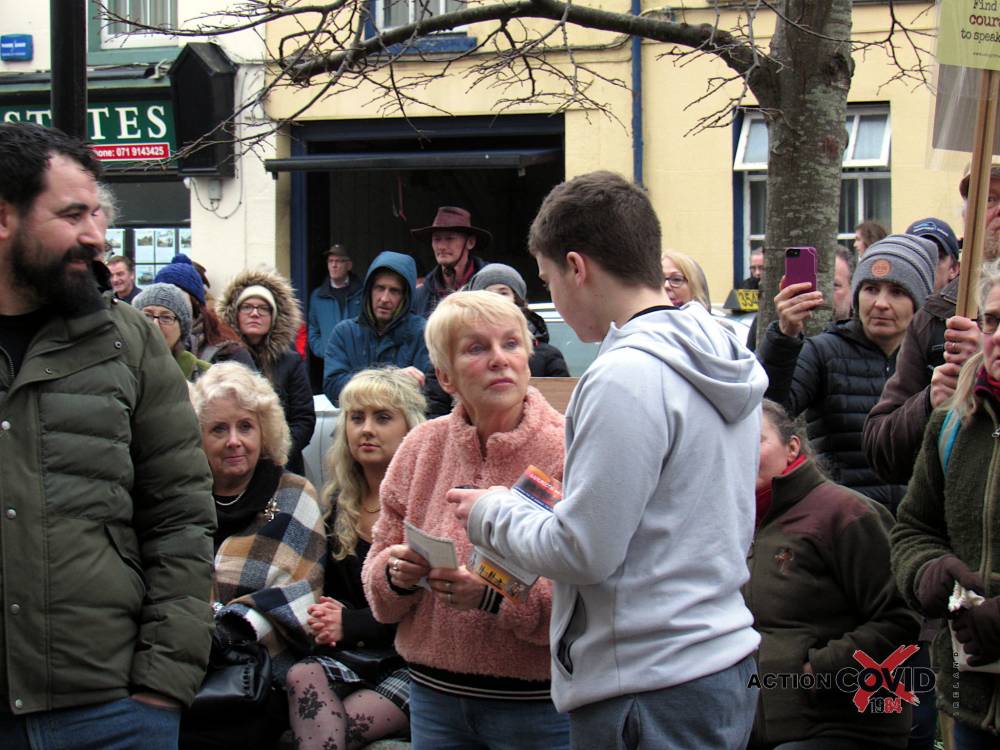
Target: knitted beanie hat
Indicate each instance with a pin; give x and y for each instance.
(261, 292)
(182, 273)
(902, 259)
(499, 273)
(170, 297)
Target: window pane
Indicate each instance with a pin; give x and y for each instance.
(758, 206)
(453, 5)
(878, 201)
(848, 207)
(756, 150)
(424, 8)
(120, 8)
(871, 133)
(397, 13)
(160, 12)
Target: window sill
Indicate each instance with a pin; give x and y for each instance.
(131, 55)
(435, 44)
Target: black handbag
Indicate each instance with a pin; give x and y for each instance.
(370, 664)
(238, 679)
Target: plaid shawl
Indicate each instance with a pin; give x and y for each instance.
(269, 573)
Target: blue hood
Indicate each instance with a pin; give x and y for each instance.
(405, 266)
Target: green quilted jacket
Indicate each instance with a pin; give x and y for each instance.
(106, 518)
(957, 514)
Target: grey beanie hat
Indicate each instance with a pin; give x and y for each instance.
(499, 273)
(171, 297)
(902, 259)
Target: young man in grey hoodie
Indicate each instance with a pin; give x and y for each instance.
(652, 645)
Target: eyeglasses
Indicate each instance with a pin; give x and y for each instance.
(675, 282)
(248, 308)
(988, 323)
(163, 319)
(339, 261)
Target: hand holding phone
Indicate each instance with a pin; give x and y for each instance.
(794, 307)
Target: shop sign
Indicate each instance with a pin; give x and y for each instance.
(119, 131)
(17, 47)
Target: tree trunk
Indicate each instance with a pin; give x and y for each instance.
(804, 98)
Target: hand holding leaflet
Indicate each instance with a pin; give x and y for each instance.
(507, 578)
(437, 551)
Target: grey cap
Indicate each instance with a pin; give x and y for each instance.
(499, 273)
(171, 297)
(902, 259)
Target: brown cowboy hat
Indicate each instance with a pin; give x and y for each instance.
(455, 219)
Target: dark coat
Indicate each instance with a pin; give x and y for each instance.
(895, 426)
(107, 541)
(329, 306)
(358, 343)
(820, 587)
(274, 356)
(836, 378)
(434, 289)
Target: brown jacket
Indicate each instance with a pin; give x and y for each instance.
(894, 428)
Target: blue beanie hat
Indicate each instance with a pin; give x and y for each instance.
(183, 274)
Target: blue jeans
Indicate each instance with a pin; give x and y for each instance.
(439, 721)
(713, 712)
(971, 738)
(124, 724)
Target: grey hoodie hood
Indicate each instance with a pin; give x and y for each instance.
(702, 351)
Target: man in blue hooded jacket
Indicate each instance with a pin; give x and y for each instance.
(385, 333)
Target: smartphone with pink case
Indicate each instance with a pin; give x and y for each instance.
(800, 266)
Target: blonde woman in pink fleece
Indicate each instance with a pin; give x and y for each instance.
(479, 665)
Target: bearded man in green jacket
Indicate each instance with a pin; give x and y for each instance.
(105, 495)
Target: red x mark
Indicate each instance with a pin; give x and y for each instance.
(896, 658)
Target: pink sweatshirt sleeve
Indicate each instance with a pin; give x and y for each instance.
(387, 605)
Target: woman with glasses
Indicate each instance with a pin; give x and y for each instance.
(261, 306)
(684, 280)
(168, 309)
(947, 532)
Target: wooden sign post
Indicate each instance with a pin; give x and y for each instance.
(965, 39)
(979, 187)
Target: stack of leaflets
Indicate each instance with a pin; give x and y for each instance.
(437, 551)
(507, 578)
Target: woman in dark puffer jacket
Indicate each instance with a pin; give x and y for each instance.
(837, 376)
(261, 306)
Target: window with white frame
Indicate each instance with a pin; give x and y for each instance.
(865, 183)
(156, 13)
(392, 13)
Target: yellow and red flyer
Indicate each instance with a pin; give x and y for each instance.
(505, 577)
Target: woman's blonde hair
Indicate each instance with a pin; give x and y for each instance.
(691, 271)
(463, 311)
(384, 388)
(963, 401)
(251, 391)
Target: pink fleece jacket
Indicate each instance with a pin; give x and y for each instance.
(433, 458)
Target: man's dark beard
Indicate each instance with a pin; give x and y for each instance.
(68, 292)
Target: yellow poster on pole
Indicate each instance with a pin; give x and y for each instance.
(969, 33)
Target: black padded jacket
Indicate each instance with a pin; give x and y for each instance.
(835, 377)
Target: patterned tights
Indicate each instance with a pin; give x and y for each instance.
(321, 721)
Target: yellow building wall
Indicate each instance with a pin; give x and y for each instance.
(688, 171)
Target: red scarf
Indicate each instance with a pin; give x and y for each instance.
(987, 386)
(764, 495)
